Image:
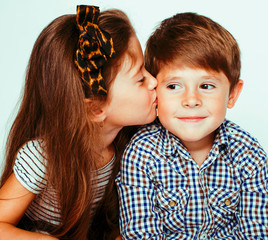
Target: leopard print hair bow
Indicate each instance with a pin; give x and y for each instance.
(95, 46)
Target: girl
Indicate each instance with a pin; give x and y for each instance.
(85, 82)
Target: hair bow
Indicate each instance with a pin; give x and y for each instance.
(95, 47)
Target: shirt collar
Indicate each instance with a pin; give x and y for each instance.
(221, 137)
(172, 145)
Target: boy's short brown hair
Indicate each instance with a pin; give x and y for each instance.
(195, 41)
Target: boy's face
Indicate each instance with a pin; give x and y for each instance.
(192, 102)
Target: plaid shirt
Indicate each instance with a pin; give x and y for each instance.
(165, 195)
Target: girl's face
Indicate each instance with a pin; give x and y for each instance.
(132, 95)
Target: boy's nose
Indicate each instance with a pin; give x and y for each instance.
(191, 100)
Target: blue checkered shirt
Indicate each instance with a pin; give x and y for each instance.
(164, 194)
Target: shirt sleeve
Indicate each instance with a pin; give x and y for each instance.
(139, 218)
(252, 217)
(29, 167)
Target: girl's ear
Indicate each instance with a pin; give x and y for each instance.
(235, 94)
(95, 109)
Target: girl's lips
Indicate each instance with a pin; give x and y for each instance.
(191, 119)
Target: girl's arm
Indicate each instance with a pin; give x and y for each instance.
(14, 201)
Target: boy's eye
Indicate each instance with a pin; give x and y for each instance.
(173, 86)
(207, 86)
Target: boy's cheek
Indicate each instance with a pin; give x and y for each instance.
(164, 111)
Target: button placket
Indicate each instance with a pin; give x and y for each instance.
(201, 180)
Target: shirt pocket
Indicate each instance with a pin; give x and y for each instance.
(224, 205)
(171, 205)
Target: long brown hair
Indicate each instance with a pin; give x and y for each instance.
(53, 109)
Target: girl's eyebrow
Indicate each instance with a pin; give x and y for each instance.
(137, 72)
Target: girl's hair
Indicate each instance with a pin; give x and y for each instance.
(196, 41)
(54, 110)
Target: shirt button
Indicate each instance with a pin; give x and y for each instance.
(232, 131)
(203, 236)
(172, 203)
(227, 202)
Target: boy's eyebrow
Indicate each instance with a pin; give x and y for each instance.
(169, 79)
(212, 76)
(177, 77)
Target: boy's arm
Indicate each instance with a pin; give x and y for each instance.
(253, 212)
(139, 218)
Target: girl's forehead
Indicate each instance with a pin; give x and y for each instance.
(132, 61)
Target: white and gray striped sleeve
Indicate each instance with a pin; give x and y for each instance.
(29, 167)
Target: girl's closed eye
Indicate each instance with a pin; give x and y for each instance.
(141, 79)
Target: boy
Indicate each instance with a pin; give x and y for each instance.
(194, 174)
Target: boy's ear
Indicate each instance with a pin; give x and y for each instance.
(95, 109)
(235, 94)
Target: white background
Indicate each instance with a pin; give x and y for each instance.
(22, 21)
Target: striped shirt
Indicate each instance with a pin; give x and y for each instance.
(30, 170)
(164, 194)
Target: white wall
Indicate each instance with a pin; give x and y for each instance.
(22, 21)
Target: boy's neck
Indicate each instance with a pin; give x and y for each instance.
(200, 149)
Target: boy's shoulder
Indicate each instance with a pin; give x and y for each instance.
(148, 131)
(154, 140)
(244, 148)
(152, 134)
(149, 147)
(237, 134)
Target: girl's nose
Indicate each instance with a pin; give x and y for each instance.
(152, 82)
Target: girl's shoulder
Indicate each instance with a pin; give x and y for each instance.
(30, 166)
(33, 151)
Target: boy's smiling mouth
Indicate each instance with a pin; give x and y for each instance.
(191, 119)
